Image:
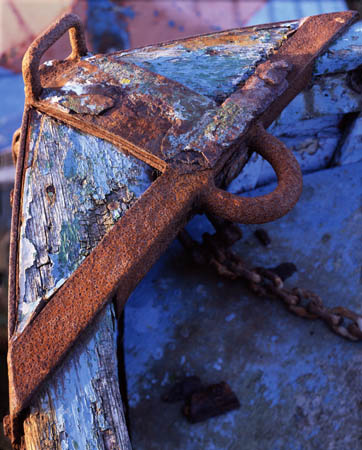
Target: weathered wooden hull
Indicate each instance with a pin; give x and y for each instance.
(76, 185)
(70, 180)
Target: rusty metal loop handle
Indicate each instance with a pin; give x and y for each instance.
(37, 49)
(268, 207)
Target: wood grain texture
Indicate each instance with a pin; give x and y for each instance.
(344, 54)
(76, 191)
(80, 407)
(76, 187)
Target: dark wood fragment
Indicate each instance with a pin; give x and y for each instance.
(212, 401)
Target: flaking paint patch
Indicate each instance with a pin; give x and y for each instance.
(213, 65)
(77, 393)
(92, 183)
(344, 54)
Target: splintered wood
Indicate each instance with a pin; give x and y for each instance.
(81, 404)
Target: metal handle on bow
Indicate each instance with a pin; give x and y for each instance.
(265, 208)
(37, 49)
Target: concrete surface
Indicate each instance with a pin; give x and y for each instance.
(299, 385)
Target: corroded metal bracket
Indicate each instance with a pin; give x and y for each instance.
(33, 55)
(185, 186)
(265, 208)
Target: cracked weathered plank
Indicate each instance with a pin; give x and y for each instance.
(80, 407)
(71, 227)
(75, 189)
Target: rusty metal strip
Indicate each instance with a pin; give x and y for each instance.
(273, 86)
(91, 128)
(33, 55)
(309, 41)
(256, 27)
(14, 235)
(281, 78)
(275, 83)
(128, 251)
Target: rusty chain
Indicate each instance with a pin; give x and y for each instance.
(215, 251)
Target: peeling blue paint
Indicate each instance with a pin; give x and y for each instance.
(344, 54)
(214, 66)
(68, 209)
(74, 397)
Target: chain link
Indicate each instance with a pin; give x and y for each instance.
(215, 250)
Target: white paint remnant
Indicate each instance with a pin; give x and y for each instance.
(75, 87)
(58, 284)
(28, 255)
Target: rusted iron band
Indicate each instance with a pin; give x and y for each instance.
(120, 261)
(267, 207)
(95, 130)
(37, 49)
(310, 40)
(14, 235)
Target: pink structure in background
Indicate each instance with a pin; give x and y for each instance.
(142, 21)
(159, 20)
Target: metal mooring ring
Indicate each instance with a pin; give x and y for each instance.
(37, 49)
(265, 208)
